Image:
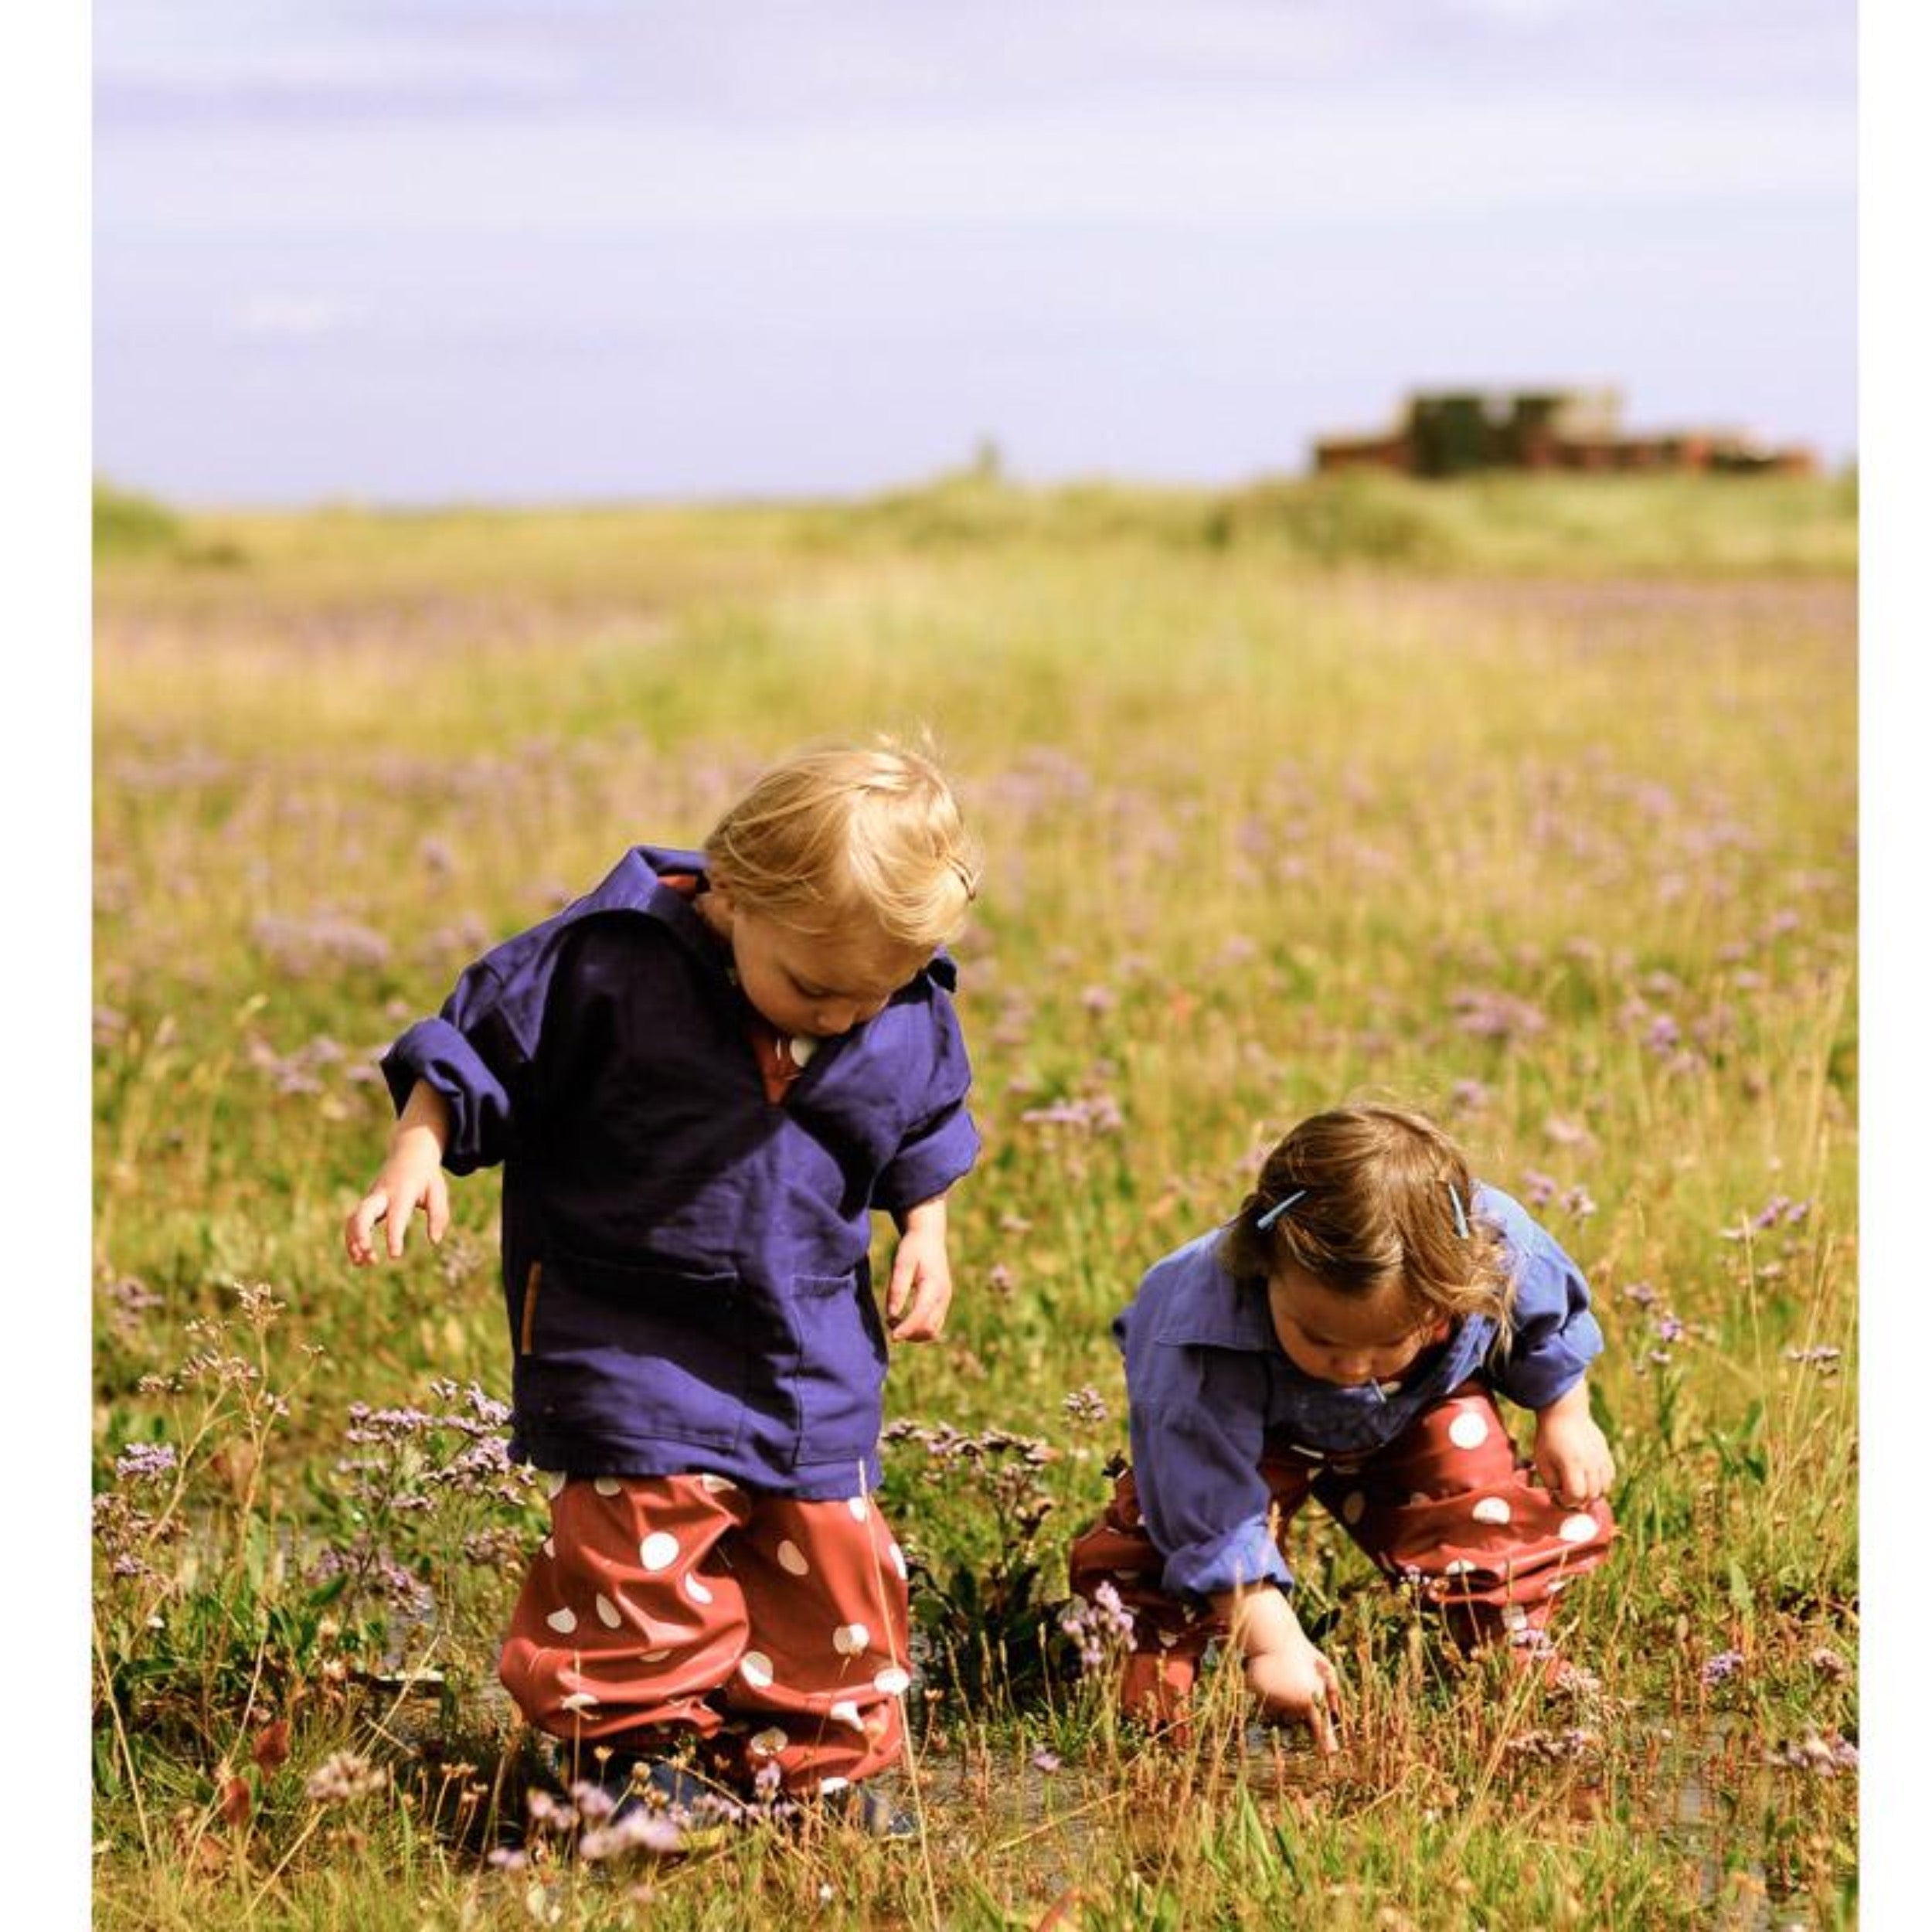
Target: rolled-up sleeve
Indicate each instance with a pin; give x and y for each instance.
(1556, 1337)
(474, 1054)
(943, 1143)
(1197, 1470)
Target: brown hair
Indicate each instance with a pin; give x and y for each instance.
(1385, 1197)
(849, 829)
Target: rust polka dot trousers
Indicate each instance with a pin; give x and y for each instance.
(771, 1629)
(1448, 1508)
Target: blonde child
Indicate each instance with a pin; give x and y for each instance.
(701, 1080)
(1346, 1335)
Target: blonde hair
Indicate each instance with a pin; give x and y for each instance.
(1384, 1201)
(842, 829)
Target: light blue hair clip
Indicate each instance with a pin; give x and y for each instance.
(1455, 1201)
(1264, 1221)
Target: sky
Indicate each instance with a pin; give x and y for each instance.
(531, 250)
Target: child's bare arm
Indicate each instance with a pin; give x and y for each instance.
(1291, 1677)
(1571, 1454)
(921, 1288)
(411, 1177)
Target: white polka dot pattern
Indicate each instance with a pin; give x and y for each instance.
(827, 1785)
(755, 1667)
(845, 1712)
(1353, 1504)
(1492, 1509)
(578, 1701)
(717, 1483)
(892, 1681)
(608, 1614)
(659, 1550)
(553, 1482)
(896, 1557)
(791, 1559)
(768, 1744)
(608, 1486)
(1469, 1430)
(849, 1639)
(563, 1621)
(857, 1506)
(1461, 1566)
(1577, 1529)
(695, 1589)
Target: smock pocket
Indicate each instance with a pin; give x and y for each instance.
(622, 1354)
(840, 1374)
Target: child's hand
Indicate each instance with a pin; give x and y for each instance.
(1571, 1454)
(412, 1178)
(1298, 1685)
(921, 1288)
(1294, 1680)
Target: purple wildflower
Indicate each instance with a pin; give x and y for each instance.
(1813, 1752)
(549, 1813)
(1663, 1034)
(1086, 1405)
(1726, 1663)
(1822, 1358)
(1099, 1625)
(1488, 1014)
(1100, 1114)
(1554, 1746)
(343, 1777)
(593, 1803)
(145, 1461)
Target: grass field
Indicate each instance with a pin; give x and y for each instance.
(1535, 806)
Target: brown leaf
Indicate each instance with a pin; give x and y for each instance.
(235, 1800)
(270, 1749)
(235, 1462)
(1060, 1913)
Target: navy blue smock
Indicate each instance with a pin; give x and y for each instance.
(685, 1261)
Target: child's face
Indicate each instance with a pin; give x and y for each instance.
(821, 985)
(1349, 1338)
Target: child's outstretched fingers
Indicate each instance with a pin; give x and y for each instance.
(393, 1203)
(924, 1312)
(359, 1229)
(920, 1293)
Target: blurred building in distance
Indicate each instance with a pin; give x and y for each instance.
(1458, 432)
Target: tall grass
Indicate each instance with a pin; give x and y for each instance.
(1537, 809)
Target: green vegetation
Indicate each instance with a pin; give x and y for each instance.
(1533, 805)
(124, 522)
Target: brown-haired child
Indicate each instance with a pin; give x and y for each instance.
(1346, 1336)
